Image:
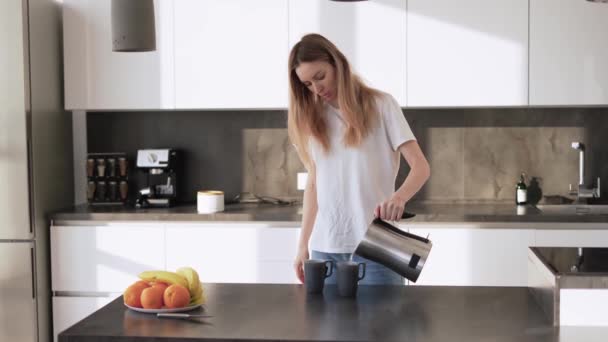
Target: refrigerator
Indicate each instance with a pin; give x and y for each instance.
(36, 166)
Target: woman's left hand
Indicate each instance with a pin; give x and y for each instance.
(391, 210)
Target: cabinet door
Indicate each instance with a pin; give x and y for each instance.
(98, 78)
(371, 34)
(476, 257)
(467, 53)
(68, 311)
(18, 313)
(231, 54)
(14, 175)
(104, 258)
(571, 238)
(233, 253)
(568, 52)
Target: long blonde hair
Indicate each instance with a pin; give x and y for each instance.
(305, 116)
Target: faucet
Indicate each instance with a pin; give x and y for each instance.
(583, 191)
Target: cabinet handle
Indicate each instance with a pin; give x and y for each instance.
(30, 184)
(32, 259)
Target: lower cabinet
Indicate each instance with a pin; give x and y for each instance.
(67, 311)
(233, 253)
(475, 257)
(97, 260)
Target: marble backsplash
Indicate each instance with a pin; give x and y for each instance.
(475, 154)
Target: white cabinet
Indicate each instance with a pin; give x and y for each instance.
(568, 52)
(98, 78)
(571, 238)
(467, 52)
(371, 34)
(475, 257)
(17, 297)
(231, 54)
(104, 258)
(227, 253)
(68, 311)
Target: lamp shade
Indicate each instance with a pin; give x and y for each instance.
(133, 27)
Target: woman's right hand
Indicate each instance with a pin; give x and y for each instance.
(298, 264)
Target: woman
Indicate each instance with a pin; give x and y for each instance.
(349, 137)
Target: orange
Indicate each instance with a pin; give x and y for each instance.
(142, 283)
(132, 295)
(176, 296)
(152, 297)
(159, 284)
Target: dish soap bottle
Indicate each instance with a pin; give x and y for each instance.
(521, 195)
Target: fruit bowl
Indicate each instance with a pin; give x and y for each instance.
(166, 310)
(165, 292)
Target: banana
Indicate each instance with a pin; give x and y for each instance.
(192, 277)
(164, 276)
(198, 297)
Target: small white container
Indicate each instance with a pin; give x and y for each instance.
(210, 201)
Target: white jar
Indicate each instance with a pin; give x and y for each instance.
(209, 201)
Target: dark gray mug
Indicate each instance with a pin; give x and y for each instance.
(315, 272)
(348, 275)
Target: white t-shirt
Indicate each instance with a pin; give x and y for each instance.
(351, 182)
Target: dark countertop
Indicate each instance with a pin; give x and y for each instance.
(290, 216)
(575, 268)
(575, 261)
(262, 312)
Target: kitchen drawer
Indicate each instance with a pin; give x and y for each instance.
(277, 244)
(476, 257)
(231, 253)
(104, 258)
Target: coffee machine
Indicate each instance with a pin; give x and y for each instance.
(160, 168)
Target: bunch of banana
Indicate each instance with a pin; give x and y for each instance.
(194, 285)
(165, 277)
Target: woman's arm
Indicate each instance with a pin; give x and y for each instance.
(420, 171)
(309, 213)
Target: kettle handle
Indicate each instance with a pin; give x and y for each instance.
(398, 231)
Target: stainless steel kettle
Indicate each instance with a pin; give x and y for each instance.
(394, 248)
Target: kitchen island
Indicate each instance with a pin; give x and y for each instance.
(265, 312)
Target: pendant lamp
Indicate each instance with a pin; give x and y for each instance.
(133, 27)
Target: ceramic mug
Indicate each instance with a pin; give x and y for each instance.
(315, 272)
(348, 274)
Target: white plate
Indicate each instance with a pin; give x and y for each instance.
(167, 310)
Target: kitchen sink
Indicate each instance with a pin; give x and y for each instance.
(573, 209)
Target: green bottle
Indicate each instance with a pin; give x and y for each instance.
(521, 191)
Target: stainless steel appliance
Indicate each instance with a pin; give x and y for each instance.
(394, 248)
(36, 173)
(160, 168)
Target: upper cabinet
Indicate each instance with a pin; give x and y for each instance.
(97, 78)
(231, 54)
(218, 54)
(371, 34)
(467, 53)
(568, 52)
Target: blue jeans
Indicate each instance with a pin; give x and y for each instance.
(375, 273)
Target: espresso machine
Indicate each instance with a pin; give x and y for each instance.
(159, 168)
